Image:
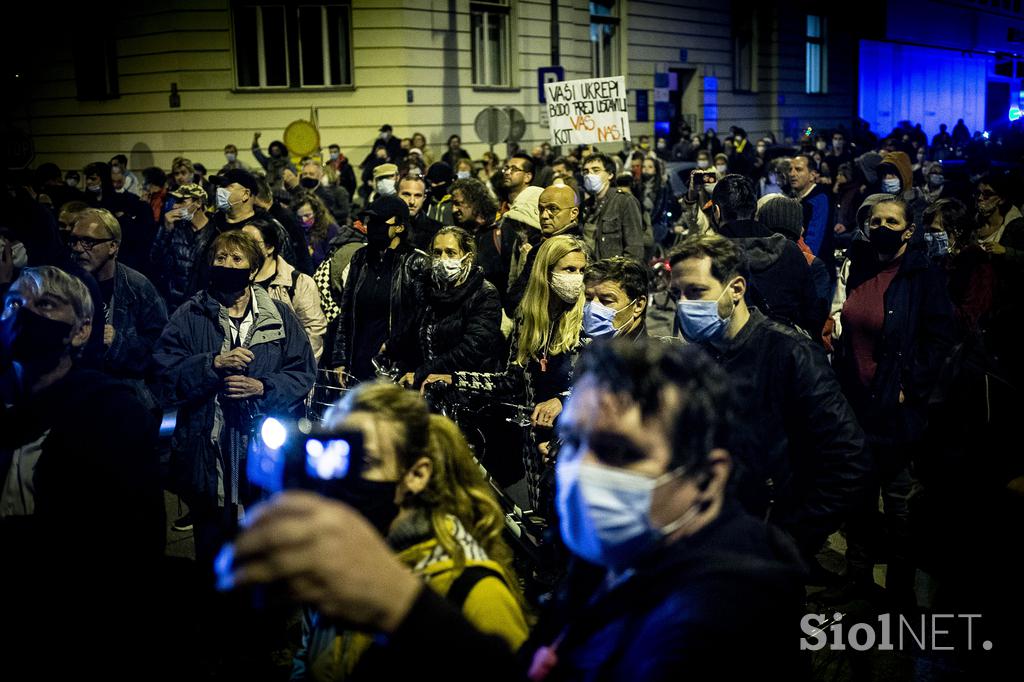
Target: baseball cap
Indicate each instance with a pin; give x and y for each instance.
(190, 191)
(236, 175)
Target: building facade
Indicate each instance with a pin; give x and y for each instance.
(165, 79)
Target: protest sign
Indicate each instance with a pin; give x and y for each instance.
(587, 111)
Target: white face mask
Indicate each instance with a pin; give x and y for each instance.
(820, 145)
(721, 169)
(702, 163)
(449, 269)
(891, 185)
(386, 187)
(567, 286)
(462, 175)
(230, 157)
(593, 183)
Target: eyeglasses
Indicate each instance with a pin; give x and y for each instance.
(88, 243)
(511, 169)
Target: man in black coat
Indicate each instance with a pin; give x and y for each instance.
(74, 445)
(779, 282)
(671, 581)
(802, 449)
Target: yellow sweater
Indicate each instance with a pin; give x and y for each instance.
(490, 606)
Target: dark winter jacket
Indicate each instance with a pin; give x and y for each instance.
(458, 329)
(196, 333)
(916, 339)
(422, 229)
(173, 257)
(615, 227)
(681, 614)
(407, 295)
(138, 318)
(779, 280)
(794, 429)
(819, 221)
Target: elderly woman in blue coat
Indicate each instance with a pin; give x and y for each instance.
(229, 355)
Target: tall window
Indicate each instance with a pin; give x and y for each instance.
(492, 57)
(604, 38)
(292, 45)
(745, 47)
(817, 56)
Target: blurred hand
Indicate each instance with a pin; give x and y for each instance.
(339, 374)
(433, 378)
(994, 249)
(256, 136)
(108, 335)
(407, 379)
(171, 216)
(545, 413)
(235, 359)
(325, 555)
(839, 228)
(291, 180)
(239, 386)
(6, 264)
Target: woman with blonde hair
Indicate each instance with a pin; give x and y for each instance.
(421, 488)
(546, 339)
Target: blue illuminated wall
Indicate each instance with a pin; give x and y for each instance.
(921, 84)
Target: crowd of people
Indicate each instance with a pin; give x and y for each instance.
(839, 360)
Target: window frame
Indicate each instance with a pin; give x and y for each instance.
(614, 20)
(821, 42)
(750, 32)
(485, 9)
(294, 69)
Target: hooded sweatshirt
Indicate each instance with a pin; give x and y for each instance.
(779, 281)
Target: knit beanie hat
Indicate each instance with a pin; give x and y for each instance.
(781, 215)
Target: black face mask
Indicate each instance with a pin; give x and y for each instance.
(226, 284)
(886, 242)
(377, 232)
(309, 183)
(375, 500)
(33, 340)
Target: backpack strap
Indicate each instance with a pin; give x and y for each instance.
(291, 289)
(467, 580)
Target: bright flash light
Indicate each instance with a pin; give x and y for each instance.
(273, 433)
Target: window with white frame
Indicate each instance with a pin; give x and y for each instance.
(604, 38)
(490, 23)
(290, 45)
(816, 56)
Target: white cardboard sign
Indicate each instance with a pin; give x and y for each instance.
(588, 111)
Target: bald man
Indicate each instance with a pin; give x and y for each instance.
(559, 214)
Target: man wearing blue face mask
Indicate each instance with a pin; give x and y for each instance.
(802, 449)
(613, 224)
(671, 578)
(616, 291)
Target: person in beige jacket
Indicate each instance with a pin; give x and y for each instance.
(286, 284)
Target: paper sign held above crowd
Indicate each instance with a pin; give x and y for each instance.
(587, 111)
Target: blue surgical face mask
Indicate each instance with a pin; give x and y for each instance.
(462, 175)
(700, 321)
(223, 199)
(938, 244)
(599, 319)
(605, 512)
(891, 185)
(593, 183)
